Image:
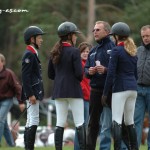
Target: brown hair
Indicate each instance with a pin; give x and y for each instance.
(55, 53)
(56, 50)
(82, 46)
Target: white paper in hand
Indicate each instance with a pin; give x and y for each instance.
(98, 63)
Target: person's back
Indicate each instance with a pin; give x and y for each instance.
(66, 70)
(68, 74)
(125, 72)
(121, 77)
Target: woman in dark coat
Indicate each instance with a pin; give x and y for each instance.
(66, 70)
(122, 76)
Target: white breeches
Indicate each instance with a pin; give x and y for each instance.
(123, 103)
(62, 106)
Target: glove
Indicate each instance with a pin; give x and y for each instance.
(104, 101)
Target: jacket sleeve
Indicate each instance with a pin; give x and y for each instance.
(16, 86)
(27, 66)
(111, 71)
(135, 73)
(51, 70)
(86, 68)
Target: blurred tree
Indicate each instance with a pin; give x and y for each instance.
(137, 16)
(49, 14)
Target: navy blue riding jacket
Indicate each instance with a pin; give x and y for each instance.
(100, 52)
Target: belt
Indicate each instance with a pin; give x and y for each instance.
(141, 84)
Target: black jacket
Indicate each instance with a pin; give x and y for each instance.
(67, 74)
(31, 76)
(100, 52)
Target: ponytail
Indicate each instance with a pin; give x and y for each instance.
(56, 52)
(130, 46)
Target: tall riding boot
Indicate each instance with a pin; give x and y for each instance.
(31, 137)
(91, 139)
(26, 138)
(59, 137)
(116, 132)
(81, 133)
(132, 137)
(125, 136)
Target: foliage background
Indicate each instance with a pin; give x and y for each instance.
(48, 14)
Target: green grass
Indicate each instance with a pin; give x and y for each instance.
(52, 148)
(70, 147)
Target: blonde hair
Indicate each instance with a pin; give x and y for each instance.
(2, 58)
(130, 46)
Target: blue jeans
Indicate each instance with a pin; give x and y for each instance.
(142, 105)
(5, 106)
(105, 131)
(8, 135)
(86, 115)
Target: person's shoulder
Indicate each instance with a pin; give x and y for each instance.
(9, 71)
(117, 49)
(94, 48)
(75, 50)
(140, 47)
(110, 43)
(28, 54)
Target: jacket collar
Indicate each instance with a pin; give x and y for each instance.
(104, 40)
(32, 49)
(147, 46)
(66, 44)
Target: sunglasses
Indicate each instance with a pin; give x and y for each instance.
(96, 30)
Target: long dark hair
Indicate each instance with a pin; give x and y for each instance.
(57, 49)
(56, 52)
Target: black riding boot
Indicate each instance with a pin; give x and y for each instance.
(31, 137)
(116, 132)
(59, 137)
(25, 138)
(125, 136)
(91, 139)
(132, 137)
(81, 133)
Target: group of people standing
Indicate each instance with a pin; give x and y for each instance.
(112, 66)
(107, 86)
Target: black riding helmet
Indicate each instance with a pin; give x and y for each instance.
(121, 29)
(67, 28)
(32, 31)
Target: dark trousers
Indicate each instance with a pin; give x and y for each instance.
(95, 110)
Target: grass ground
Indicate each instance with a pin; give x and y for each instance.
(52, 148)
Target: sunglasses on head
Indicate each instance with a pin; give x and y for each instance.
(96, 30)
